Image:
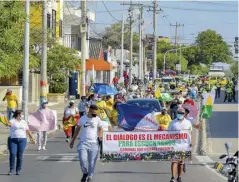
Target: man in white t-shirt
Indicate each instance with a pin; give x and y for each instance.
(179, 124)
(91, 130)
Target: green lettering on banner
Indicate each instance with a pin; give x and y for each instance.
(126, 144)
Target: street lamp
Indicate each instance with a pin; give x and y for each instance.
(164, 59)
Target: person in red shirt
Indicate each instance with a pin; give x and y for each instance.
(115, 81)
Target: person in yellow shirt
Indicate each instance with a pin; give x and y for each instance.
(12, 103)
(163, 119)
(109, 103)
(114, 115)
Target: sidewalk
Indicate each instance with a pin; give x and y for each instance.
(4, 131)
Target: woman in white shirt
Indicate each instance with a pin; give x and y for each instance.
(71, 116)
(18, 140)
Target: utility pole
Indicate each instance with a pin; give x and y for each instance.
(155, 40)
(131, 45)
(26, 61)
(176, 32)
(140, 43)
(83, 46)
(122, 48)
(155, 11)
(43, 83)
(131, 37)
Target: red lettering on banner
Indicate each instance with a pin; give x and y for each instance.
(142, 137)
(125, 137)
(108, 137)
(177, 136)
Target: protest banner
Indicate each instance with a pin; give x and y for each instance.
(42, 120)
(150, 145)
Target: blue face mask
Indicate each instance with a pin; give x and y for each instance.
(180, 116)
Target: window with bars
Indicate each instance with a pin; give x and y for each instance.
(53, 23)
(48, 20)
(60, 29)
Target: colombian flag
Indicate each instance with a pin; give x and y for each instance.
(3, 120)
(208, 102)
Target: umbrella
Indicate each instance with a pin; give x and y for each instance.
(105, 90)
(193, 110)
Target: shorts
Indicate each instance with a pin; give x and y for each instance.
(178, 159)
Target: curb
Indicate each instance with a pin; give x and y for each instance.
(219, 167)
(50, 134)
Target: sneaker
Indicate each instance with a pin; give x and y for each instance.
(39, 148)
(68, 140)
(172, 179)
(83, 179)
(10, 173)
(179, 179)
(89, 179)
(18, 173)
(43, 148)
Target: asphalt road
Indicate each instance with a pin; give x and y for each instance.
(223, 127)
(60, 163)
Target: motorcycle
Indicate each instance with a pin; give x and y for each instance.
(230, 167)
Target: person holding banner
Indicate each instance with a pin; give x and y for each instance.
(42, 134)
(18, 140)
(70, 118)
(91, 129)
(179, 124)
(163, 119)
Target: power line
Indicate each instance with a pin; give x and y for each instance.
(205, 10)
(109, 11)
(213, 3)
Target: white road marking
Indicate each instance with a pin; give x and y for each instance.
(42, 158)
(39, 154)
(66, 159)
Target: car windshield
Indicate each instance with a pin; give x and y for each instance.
(154, 105)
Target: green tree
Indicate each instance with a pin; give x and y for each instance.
(234, 69)
(60, 60)
(198, 69)
(111, 36)
(171, 60)
(12, 18)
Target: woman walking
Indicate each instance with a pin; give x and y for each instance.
(71, 116)
(18, 140)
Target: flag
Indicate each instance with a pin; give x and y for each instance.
(132, 117)
(208, 101)
(157, 93)
(3, 120)
(165, 97)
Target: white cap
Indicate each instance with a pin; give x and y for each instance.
(72, 101)
(9, 90)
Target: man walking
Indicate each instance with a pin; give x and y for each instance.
(91, 129)
(179, 124)
(12, 103)
(218, 89)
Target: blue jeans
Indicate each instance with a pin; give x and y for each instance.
(16, 148)
(88, 153)
(10, 113)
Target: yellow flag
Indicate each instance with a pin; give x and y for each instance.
(209, 101)
(157, 93)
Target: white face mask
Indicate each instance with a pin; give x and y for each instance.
(22, 117)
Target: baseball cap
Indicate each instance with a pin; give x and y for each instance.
(181, 110)
(9, 90)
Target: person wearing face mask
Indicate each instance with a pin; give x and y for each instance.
(42, 135)
(18, 140)
(163, 119)
(82, 107)
(88, 147)
(179, 124)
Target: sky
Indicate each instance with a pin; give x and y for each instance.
(197, 16)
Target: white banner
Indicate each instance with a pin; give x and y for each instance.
(154, 144)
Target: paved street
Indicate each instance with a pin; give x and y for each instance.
(222, 128)
(60, 163)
